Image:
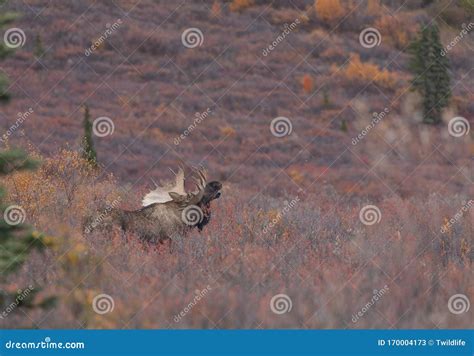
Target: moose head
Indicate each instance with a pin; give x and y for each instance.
(175, 195)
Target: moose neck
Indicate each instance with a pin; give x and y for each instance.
(206, 209)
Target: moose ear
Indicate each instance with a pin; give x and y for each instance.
(175, 196)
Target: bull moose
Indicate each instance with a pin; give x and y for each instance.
(167, 211)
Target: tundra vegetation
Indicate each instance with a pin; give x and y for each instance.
(258, 243)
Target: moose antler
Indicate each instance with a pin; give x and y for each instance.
(200, 179)
(162, 194)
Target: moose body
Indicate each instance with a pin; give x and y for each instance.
(153, 223)
(167, 211)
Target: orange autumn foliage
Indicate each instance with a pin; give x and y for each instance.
(216, 9)
(307, 83)
(239, 5)
(329, 10)
(228, 131)
(393, 31)
(368, 72)
(373, 7)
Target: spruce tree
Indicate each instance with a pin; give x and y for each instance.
(88, 150)
(5, 19)
(39, 49)
(17, 240)
(343, 126)
(431, 73)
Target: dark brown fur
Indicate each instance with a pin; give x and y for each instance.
(162, 221)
